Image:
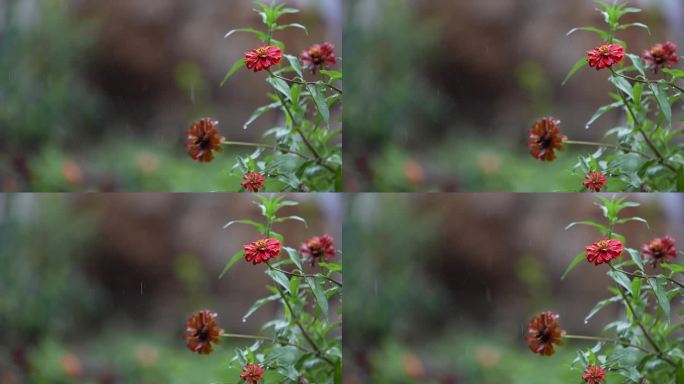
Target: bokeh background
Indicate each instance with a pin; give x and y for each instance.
(442, 93)
(441, 287)
(96, 289)
(98, 95)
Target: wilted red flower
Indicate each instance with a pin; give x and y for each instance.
(544, 331)
(605, 56)
(545, 137)
(319, 56)
(604, 251)
(201, 330)
(203, 139)
(660, 250)
(594, 374)
(253, 182)
(319, 248)
(661, 56)
(595, 181)
(263, 58)
(262, 250)
(252, 373)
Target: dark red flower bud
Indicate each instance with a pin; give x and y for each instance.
(594, 374)
(263, 58)
(201, 330)
(253, 182)
(260, 251)
(660, 250)
(604, 251)
(319, 56)
(252, 373)
(544, 331)
(661, 56)
(319, 248)
(545, 137)
(595, 181)
(605, 56)
(202, 139)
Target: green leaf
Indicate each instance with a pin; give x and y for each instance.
(599, 306)
(234, 259)
(260, 35)
(334, 75)
(321, 104)
(602, 34)
(594, 224)
(338, 268)
(580, 256)
(621, 279)
(296, 218)
(602, 111)
(293, 25)
(635, 25)
(636, 257)
(260, 227)
(294, 256)
(258, 304)
(579, 65)
(639, 219)
(295, 64)
(663, 101)
(638, 64)
(259, 112)
(319, 294)
(660, 292)
(236, 67)
(680, 180)
(279, 278)
(623, 85)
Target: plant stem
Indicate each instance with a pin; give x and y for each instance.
(305, 275)
(640, 324)
(606, 145)
(293, 81)
(640, 128)
(607, 339)
(299, 324)
(263, 338)
(266, 146)
(296, 128)
(644, 276)
(647, 81)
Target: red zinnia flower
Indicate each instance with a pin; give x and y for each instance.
(659, 250)
(661, 55)
(203, 138)
(253, 182)
(594, 374)
(318, 248)
(545, 137)
(262, 250)
(263, 58)
(544, 332)
(604, 251)
(252, 373)
(605, 56)
(202, 330)
(319, 56)
(595, 181)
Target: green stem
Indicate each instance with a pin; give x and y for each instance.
(293, 81)
(607, 339)
(641, 129)
(266, 146)
(606, 145)
(644, 276)
(263, 338)
(647, 81)
(313, 276)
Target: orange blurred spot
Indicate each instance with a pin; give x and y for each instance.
(146, 356)
(489, 163)
(488, 357)
(413, 367)
(71, 365)
(72, 173)
(414, 172)
(147, 163)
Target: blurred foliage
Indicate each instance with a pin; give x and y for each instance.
(42, 97)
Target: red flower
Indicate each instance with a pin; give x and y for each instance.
(544, 332)
(319, 56)
(253, 182)
(318, 248)
(605, 56)
(604, 251)
(545, 137)
(661, 55)
(659, 250)
(595, 181)
(202, 139)
(252, 373)
(263, 58)
(202, 330)
(594, 374)
(262, 250)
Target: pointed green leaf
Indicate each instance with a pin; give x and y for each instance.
(234, 259)
(579, 65)
(236, 67)
(580, 256)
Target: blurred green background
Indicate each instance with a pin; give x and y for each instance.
(98, 95)
(96, 289)
(442, 93)
(441, 287)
